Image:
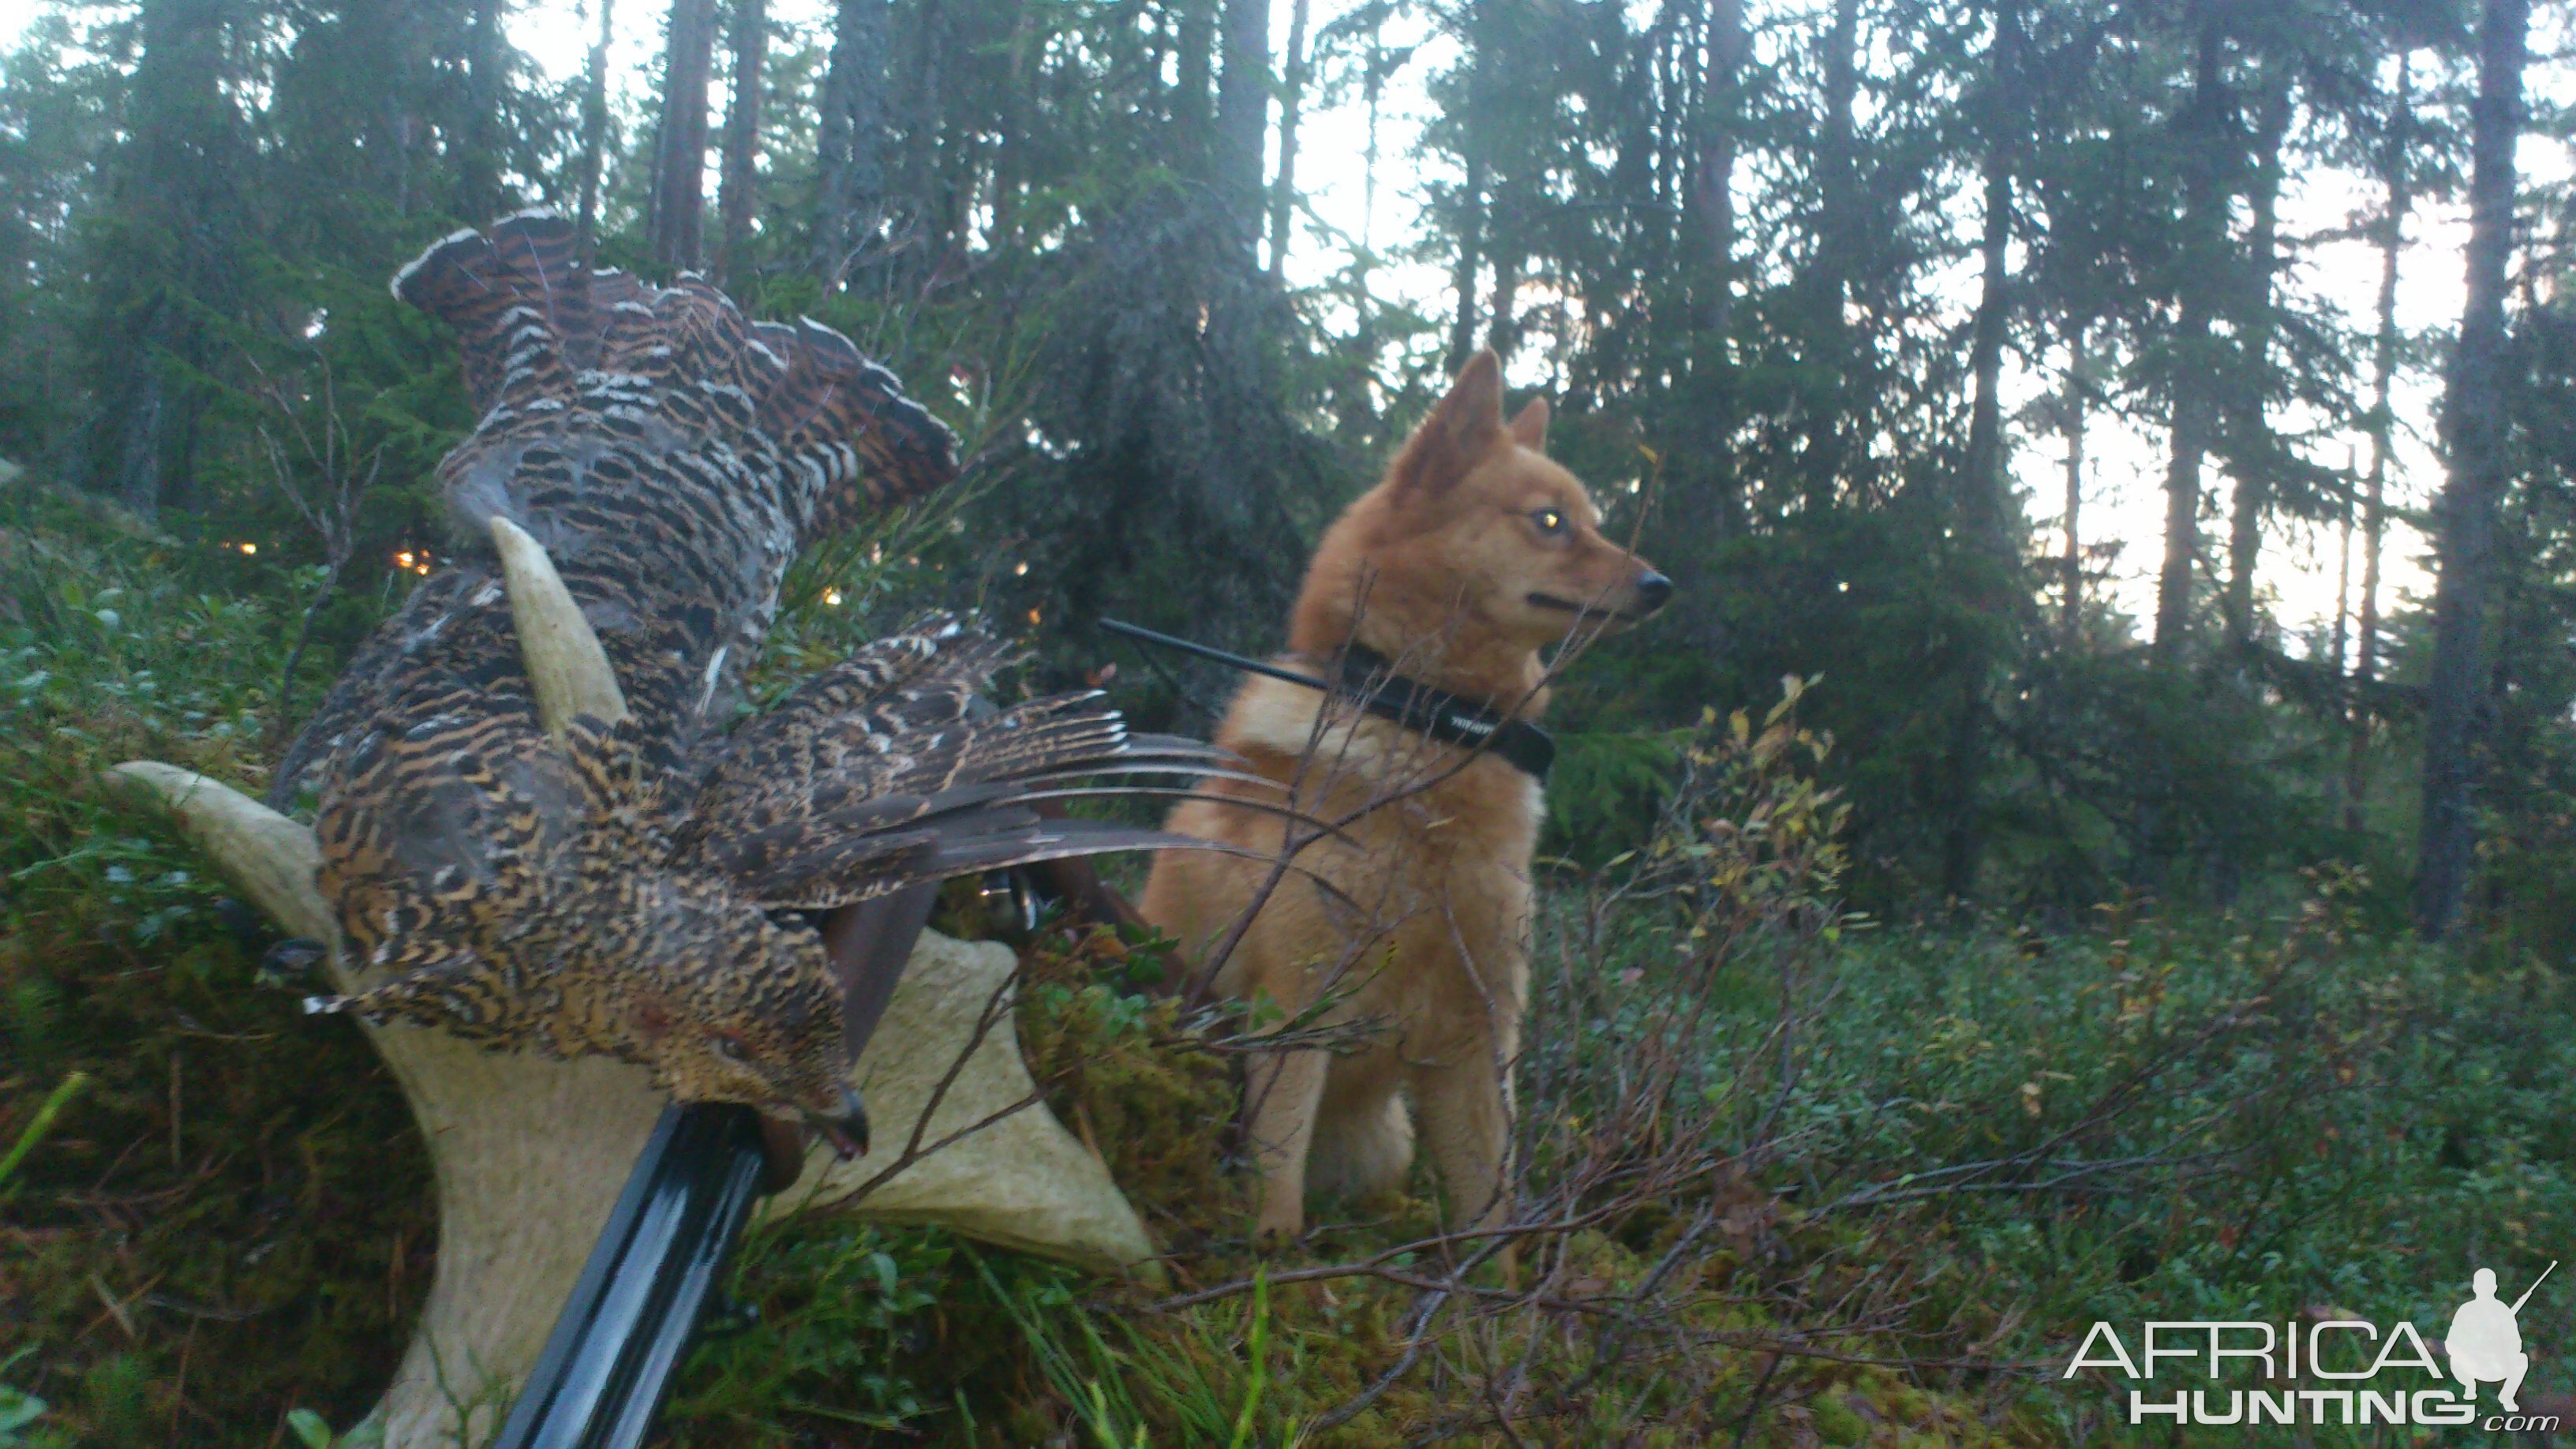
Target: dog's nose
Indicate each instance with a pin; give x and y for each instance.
(1653, 591)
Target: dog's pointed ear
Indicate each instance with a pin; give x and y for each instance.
(1464, 426)
(1529, 426)
(1473, 411)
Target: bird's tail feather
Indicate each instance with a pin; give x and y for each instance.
(534, 323)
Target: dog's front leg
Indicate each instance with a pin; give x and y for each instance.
(1464, 1110)
(1285, 1090)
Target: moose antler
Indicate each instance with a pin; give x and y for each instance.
(529, 1152)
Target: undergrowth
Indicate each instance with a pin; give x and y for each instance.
(1936, 1154)
(231, 1218)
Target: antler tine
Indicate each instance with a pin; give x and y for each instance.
(568, 670)
(271, 857)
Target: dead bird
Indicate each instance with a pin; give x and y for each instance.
(535, 828)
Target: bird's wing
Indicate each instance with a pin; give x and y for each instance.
(881, 771)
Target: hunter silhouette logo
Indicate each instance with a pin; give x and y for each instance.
(2486, 1340)
(2329, 1369)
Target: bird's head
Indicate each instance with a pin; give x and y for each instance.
(758, 1021)
(674, 973)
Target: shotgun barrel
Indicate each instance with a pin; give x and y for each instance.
(609, 1363)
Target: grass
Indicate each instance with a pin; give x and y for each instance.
(1987, 1138)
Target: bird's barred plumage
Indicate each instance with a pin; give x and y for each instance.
(627, 886)
(884, 769)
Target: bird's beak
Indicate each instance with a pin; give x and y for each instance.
(846, 1130)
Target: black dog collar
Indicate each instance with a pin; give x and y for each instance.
(1445, 716)
(1416, 706)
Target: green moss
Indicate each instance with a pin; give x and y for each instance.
(235, 1217)
(242, 1184)
(1836, 1423)
(1121, 1073)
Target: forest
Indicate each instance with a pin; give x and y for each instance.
(2086, 842)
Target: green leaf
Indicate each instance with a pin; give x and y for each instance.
(309, 1427)
(18, 1409)
(43, 1122)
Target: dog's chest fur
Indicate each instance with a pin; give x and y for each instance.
(1435, 865)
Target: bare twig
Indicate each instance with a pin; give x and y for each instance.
(342, 474)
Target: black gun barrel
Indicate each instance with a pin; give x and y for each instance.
(609, 1362)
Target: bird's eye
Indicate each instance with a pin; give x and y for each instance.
(1550, 521)
(731, 1049)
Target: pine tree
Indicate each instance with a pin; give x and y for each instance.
(2396, 174)
(2465, 515)
(677, 222)
(851, 160)
(1243, 117)
(736, 194)
(594, 126)
(2201, 139)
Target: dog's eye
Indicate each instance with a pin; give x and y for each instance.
(1550, 521)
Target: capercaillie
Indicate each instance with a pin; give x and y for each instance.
(539, 827)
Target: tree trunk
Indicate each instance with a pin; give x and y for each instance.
(2071, 563)
(1713, 177)
(1714, 504)
(1829, 280)
(398, 130)
(2252, 450)
(1470, 226)
(1375, 88)
(1283, 200)
(2205, 225)
(594, 129)
(1980, 503)
(1243, 118)
(2464, 517)
(1502, 326)
(2190, 443)
(850, 139)
(479, 176)
(137, 480)
(2342, 642)
(741, 181)
(680, 155)
(173, 189)
(921, 184)
(1469, 263)
(400, 49)
(1836, 163)
(1194, 71)
(1011, 158)
(2374, 516)
(2340, 645)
